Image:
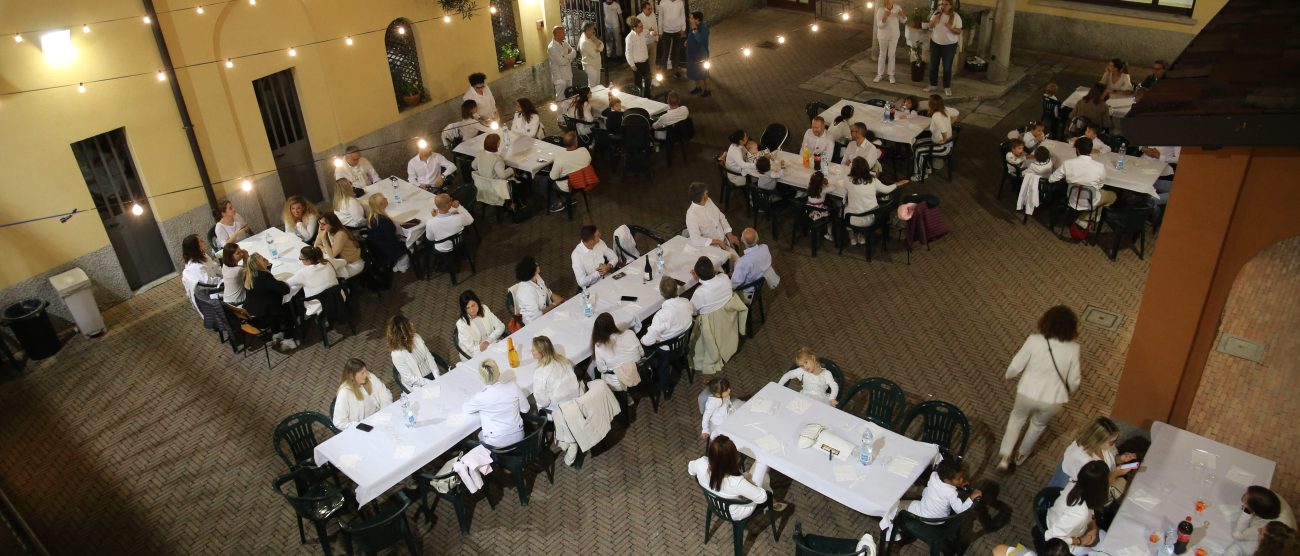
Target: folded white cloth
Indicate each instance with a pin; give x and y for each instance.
(1028, 198)
(473, 466)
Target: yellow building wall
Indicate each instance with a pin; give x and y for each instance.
(345, 92)
(1201, 13)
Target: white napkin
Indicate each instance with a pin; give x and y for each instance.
(430, 391)
(1241, 476)
(769, 443)
(456, 419)
(845, 473)
(348, 461)
(1131, 551)
(798, 406)
(761, 406)
(1144, 499)
(902, 466)
(404, 452)
(381, 418)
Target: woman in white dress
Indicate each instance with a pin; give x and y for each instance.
(527, 121)
(613, 348)
(316, 274)
(861, 195)
(818, 383)
(888, 16)
(477, 327)
(415, 365)
(230, 227)
(553, 384)
(720, 473)
(359, 395)
(346, 206)
(300, 217)
(499, 407)
(199, 267)
(232, 274)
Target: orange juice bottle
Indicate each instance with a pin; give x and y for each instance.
(806, 156)
(512, 353)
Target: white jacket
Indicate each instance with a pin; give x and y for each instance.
(561, 56)
(588, 416)
(499, 406)
(1039, 379)
(820, 386)
(939, 500)
(732, 487)
(348, 410)
(485, 328)
(412, 366)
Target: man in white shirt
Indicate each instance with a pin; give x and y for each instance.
(481, 94)
(561, 56)
(613, 25)
(705, 224)
(817, 140)
(1084, 172)
(356, 169)
(448, 220)
(1093, 132)
(651, 22)
(638, 57)
(591, 259)
(590, 47)
(714, 290)
(859, 146)
(1168, 155)
(674, 318)
(428, 169)
(672, 44)
(675, 113)
(754, 264)
(573, 158)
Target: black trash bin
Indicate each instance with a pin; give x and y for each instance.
(31, 325)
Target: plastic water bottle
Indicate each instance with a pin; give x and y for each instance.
(884, 114)
(397, 197)
(1119, 163)
(270, 246)
(587, 309)
(1171, 537)
(868, 453)
(659, 264)
(406, 408)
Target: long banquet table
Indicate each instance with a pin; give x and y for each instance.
(529, 154)
(1139, 173)
(901, 130)
(287, 249)
(416, 204)
(600, 97)
(381, 458)
(1118, 106)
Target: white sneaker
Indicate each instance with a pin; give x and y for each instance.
(947, 92)
(927, 89)
(289, 344)
(891, 79)
(879, 77)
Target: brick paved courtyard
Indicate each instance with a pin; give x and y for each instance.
(154, 439)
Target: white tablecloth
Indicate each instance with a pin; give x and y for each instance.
(600, 97)
(901, 130)
(1139, 175)
(527, 154)
(287, 248)
(873, 490)
(379, 459)
(798, 176)
(416, 204)
(1119, 106)
(1170, 479)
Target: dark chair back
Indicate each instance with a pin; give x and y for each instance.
(510, 304)
(681, 132)
(937, 533)
(774, 137)
(525, 451)
(625, 254)
(941, 422)
(213, 248)
(388, 527)
(721, 507)
(677, 345)
(885, 400)
(455, 339)
(1043, 501)
(817, 545)
(333, 305)
(1051, 112)
(814, 109)
(295, 437)
(644, 231)
(875, 102)
(311, 500)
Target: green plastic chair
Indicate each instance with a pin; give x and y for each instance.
(437, 359)
(311, 500)
(721, 507)
(835, 371)
(942, 535)
(940, 424)
(885, 400)
(295, 442)
(817, 545)
(529, 452)
(386, 528)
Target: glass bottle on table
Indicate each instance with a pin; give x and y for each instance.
(511, 353)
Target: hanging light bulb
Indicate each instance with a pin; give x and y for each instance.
(780, 39)
(252, 2)
(338, 162)
(815, 27)
(162, 75)
(746, 51)
(871, 5)
(230, 63)
(347, 40)
(614, 91)
(401, 30)
(293, 51)
(85, 28)
(422, 144)
(246, 185)
(492, 10)
(494, 125)
(147, 20)
(18, 38)
(446, 19)
(554, 107)
(708, 64)
(659, 77)
(136, 209)
(199, 10)
(844, 16)
(81, 87)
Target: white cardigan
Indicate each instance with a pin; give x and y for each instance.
(412, 366)
(348, 410)
(732, 487)
(486, 327)
(554, 384)
(1065, 521)
(1039, 379)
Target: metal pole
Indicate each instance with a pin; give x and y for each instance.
(188, 125)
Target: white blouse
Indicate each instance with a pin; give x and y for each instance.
(232, 277)
(315, 278)
(412, 366)
(348, 410)
(306, 229)
(1039, 379)
(206, 272)
(1075, 458)
(940, 128)
(716, 411)
(732, 487)
(621, 349)
(484, 328)
(554, 384)
(530, 298)
(351, 214)
(225, 233)
(820, 386)
(499, 406)
(1065, 521)
(529, 127)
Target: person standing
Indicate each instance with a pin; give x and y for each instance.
(561, 56)
(697, 54)
(590, 47)
(1048, 366)
(945, 27)
(638, 56)
(647, 17)
(672, 22)
(888, 16)
(613, 12)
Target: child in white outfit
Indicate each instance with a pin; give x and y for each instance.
(717, 407)
(942, 495)
(818, 383)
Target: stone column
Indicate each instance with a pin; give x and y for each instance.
(1004, 19)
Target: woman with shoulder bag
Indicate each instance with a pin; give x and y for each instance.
(1048, 366)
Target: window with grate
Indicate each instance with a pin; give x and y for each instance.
(505, 31)
(1181, 7)
(105, 162)
(404, 64)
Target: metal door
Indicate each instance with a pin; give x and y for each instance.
(114, 185)
(277, 97)
(573, 15)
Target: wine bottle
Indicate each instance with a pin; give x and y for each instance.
(511, 353)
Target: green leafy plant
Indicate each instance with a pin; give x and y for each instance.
(918, 16)
(463, 8)
(413, 89)
(509, 50)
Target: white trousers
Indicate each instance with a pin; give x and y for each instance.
(1027, 409)
(593, 74)
(888, 47)
(560, 86)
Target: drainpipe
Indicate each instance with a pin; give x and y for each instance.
(174, 82)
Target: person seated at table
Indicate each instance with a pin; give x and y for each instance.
(906, 107)
(579, 111)
(415, 364)
(316, 274)
(1116, 78)
(356, 168)
(1084, 173)
(300, 217)
(1095, 441)
(382, 236)
(860, 145)
(768, 177)
(613, 115)
(1053, 547)
(1274, 539)
(1036, 134)
(818, 383)
(481, 95)
(448, 220)
(734, 159)
(863, 194)
(532, 298)
(264, 301)
(1015, 157)
(499, 407)
(815, 197)
(527, 121)
(714, 290)
(1073, 517)
(817, 140)
(554, 383)
(672, 319)
(199, 268)
(1093, 131)
(939, 140)
(477, 327)
(592, 258)
(1049, 92)
(753, 264)
(359, 395)
(428, 169)
(719, 472)
(947, 492)
(232, 274)
(1165, 183)
(1259, 507)
(753, 152)
(841, 126)
(229, 227)
(1157, 73)
(676, 113)
(346, 206)
(1041, 163)
(705, 224)
(338, 242)
(492, 165)
(573, 158)
(613, 348)
(467, 128)
(1092, 107)
(717, 407)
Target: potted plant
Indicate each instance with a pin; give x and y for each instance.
(412, 94)
(917, 22)
(509, 55)
(918, 64)
(463, 8)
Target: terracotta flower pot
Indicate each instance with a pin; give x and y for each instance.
(508, 63)
(411, 100)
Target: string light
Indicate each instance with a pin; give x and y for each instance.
(659, 77)
(81, 87)
(746, 51)
(446, 19)
(338, 162)
(401, 30)
(707, 64)
(493, 10)
(815, 27)
(844, 16)
(18, 38)
(162, 75)
(199, 10)
(494, 125)
(136, 209)
(293, 51)
(147, 20)
(252, 2)
(614, 91)
(347, 40)
(230, 63)
(554, 107)
(871, 5)
(422, 144)
(246, 185)
(85, 28)
(780, 39)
